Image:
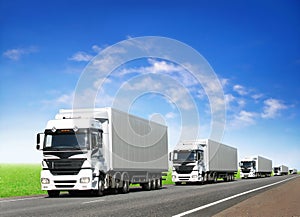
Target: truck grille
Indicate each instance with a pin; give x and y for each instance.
(184, 169)
(65, 166)
(245, 170)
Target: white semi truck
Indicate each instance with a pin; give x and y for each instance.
(281, 170)
(203, 160)
(96, 150)
(293, 171)
(255, 166)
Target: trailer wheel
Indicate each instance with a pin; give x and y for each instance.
(125, 188)
(115, 190)
(53, 193)
(158, 183)
(147, 186)
(153, 184)
(215, 178)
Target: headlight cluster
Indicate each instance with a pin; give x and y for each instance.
(84, 180)
(194, 176)
(45, 181)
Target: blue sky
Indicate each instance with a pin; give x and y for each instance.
(253, 47)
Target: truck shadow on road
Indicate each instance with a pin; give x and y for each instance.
(107, 193)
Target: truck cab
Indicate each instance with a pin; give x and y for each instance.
(72, 155)
(188, 165)
(248, 168)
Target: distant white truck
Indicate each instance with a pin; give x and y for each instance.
(255, 166)
(293, 171)
(101, 149)
(281, 170)
(203, 160)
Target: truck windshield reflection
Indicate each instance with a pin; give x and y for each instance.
(66, 141)
(184, 156)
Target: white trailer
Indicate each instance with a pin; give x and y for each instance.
(281, 170)
(203, 160)
(255, 166)
(101, 149)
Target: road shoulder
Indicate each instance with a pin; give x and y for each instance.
(282, 200)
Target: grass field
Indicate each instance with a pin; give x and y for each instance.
(20, 180)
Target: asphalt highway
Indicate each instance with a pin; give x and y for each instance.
(185, 200)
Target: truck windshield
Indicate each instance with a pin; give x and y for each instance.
(183, 156)
(68, 140)
(247, 164)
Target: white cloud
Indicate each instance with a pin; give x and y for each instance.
(17, 53)
(96, 48)
(62, 100)
(243, 119)
(81, 56)
(272, 108)
(257, 96)
(241, 102)
(229, 98)
(170, 115)
(241, 90)
(224, 82)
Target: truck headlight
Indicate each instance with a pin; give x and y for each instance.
(84, 180)
(194, 176)
(45, 181)
(173, 177)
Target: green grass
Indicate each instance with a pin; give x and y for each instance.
(237, 175)
(20, 180)
(168, 178)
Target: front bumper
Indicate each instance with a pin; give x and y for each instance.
(69, 182)
(192, 177)
(248, 175)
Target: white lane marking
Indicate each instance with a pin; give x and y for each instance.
(228, 198)
(93, 201)
(21, 199)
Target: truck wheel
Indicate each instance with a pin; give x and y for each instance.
(115, 190)
(53, 193)
(125, 188)
(158, 183)
(100, 191)
(215, 179)
(147, 186)
(153, 184)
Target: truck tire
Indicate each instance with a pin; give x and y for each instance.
(147, 186)
(158, 183)
(215, 178)
(53, 193)
(125, 188)
(153, 184)
(100, 191)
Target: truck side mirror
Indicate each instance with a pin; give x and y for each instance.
(170, 156)
(39, 141)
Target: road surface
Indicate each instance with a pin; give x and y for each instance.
(186, 200)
